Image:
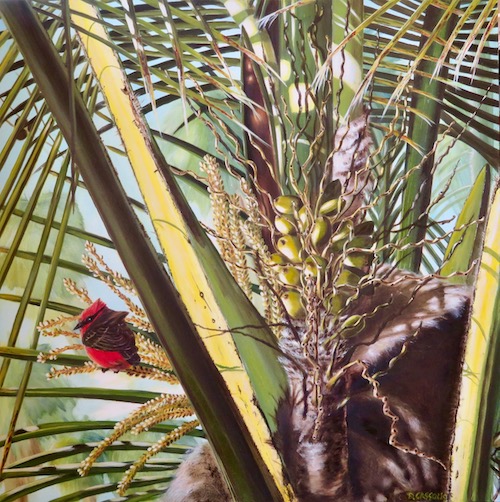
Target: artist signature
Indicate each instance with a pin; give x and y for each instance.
(426, 496)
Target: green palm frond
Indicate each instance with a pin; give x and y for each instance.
(466, 72)
(420, 67)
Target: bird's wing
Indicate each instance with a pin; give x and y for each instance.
(110, 332)
(109, 317)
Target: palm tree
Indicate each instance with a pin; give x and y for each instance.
(265, 89)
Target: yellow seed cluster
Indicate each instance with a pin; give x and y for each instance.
(220, 206)
(258, 249)
(152, 353)
(152, 374)
(241, 272)
(228, 225)
(115, 281)
(82, 293)
(167, 440)
(60, 332)
(88, 367)
(164, 407)
(161, 415)
(251, 203)
(52, 354)
(45, 326)
(141, 323)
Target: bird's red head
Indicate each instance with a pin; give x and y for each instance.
(89, 314)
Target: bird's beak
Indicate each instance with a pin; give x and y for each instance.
(78, 326)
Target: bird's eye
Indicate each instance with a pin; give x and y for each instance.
(89, 318)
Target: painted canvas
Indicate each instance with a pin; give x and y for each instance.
(249, 251)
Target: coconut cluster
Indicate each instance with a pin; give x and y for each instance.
(323, 246)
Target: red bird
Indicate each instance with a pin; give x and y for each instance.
(109, 342)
